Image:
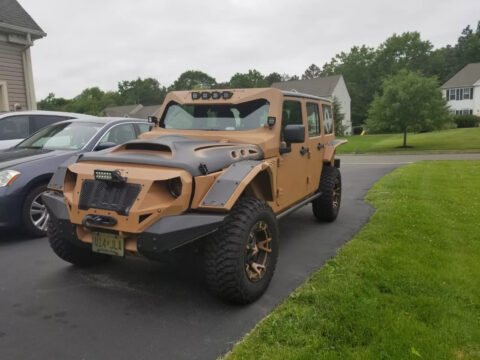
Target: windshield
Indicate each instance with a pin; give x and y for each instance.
(244, 116)
(63, 136)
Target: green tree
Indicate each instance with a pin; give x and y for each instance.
(408, 102)
(313, 71)
(50, 102)
(273, 78)
(361, 77)
(141, 91)
(252, 79)
(193, 79)
(91, 101)
(338, 117)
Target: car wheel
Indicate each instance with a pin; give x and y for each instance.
(34, 212)
(327, 206)
(240, 257)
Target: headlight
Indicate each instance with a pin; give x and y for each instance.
(7, 177)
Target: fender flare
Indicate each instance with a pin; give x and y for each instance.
(329, 153)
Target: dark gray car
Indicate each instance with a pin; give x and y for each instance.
(26, 168)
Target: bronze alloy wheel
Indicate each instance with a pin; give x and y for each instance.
(257, 251)
(337, 191)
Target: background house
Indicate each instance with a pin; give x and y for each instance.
(462, 91)
(134, 111)
(18, 31)
(328, 87)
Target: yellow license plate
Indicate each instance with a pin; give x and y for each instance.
(106, 243)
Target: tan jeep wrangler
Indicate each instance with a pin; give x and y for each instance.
(219, 166)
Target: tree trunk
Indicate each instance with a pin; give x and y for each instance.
(405, 137)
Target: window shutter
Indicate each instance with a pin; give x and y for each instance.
(447, 95)
(471, 93)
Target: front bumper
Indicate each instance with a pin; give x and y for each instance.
(10, 207)
(166, 234)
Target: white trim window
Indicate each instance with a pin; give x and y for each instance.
(464, 112)
(459, 94)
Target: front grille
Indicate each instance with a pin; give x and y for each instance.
(118, 197)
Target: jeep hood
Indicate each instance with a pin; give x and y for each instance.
(198, 157)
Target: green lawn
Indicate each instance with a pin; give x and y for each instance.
(406, 287)
(461, 140)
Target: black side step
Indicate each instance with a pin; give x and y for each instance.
(299, 205)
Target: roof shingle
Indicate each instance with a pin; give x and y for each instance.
(322, 86)
(468, 76)
(12, 13)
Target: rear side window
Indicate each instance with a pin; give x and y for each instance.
(327, 119)
(313, 119)
(14, 127)
(119, 134)
(40, 121)
(291, 114)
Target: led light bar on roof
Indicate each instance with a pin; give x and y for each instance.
(215, 95)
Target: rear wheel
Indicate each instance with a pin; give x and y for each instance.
(240, 257)
(67, 251)
(327, 206)
(34, 213)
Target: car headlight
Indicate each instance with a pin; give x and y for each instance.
(7, 177)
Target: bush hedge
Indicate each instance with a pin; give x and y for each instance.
(466, 121)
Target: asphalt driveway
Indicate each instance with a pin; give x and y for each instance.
(136, 309)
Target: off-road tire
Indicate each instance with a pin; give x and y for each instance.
(225, 253)
(326, 207)
(27, 225)
(67, 251)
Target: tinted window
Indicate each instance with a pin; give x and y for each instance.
(313, 118)
(119, 134)
(14, 127)
(244, 116)
(64, 136)
(142, 128)
(291, 114)
(40, 121)
(327, 119)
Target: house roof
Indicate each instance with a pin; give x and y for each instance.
(147, 111)
(468, 76)
(14, 17)
(122, 111)
(322, 86)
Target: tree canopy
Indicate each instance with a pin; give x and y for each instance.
(408, 102)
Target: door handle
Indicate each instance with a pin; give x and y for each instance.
(304, 150)
(320, 146)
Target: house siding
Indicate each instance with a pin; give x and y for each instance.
(12, 72)
(465, 104)
(343, 97)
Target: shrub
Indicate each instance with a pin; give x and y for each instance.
(466, 120)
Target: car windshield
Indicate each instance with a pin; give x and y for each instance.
(230, 117)
(62, 136)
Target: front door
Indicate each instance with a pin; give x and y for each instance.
(292, 175)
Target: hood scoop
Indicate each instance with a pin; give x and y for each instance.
(198, 157)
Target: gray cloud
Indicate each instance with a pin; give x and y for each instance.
(98, 43)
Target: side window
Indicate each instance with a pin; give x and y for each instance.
(327, 119)
(40, 121)
(119, 134)
(142, 128)
(291, 114)
(14, 127)
(313, 119)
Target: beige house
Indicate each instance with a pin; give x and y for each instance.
(18, 31)
(329, 87)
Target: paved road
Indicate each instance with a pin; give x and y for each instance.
(136, 309)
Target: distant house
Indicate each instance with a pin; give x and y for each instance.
(462, 91)
(329, 87)
(18, 31)
(134, 111)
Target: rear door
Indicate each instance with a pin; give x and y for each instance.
(315, 144)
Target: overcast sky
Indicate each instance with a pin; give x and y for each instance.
(100, 42)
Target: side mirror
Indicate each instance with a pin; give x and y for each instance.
(294, 134)
(105, 145)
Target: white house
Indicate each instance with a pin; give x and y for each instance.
(462, 91)
(329, 87)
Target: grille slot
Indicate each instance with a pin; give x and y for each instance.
(108, 196)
